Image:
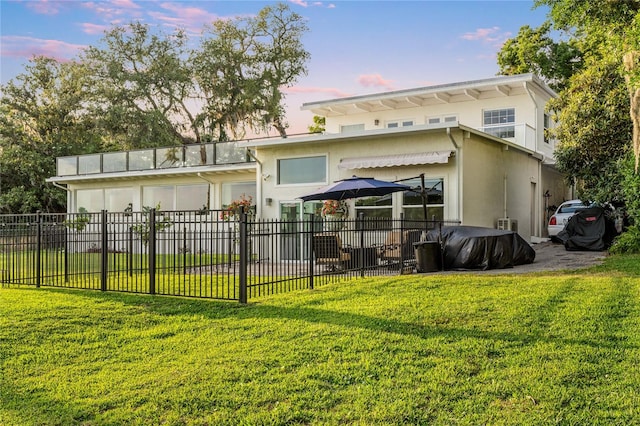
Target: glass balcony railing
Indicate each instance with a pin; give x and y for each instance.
(211, 154)
(520, 134)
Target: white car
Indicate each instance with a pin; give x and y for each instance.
(562, 215)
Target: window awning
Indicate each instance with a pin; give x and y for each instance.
(433, 157)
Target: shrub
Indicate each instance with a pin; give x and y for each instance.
(627, 242)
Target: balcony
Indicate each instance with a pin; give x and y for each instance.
(197, 155)
(520, 134)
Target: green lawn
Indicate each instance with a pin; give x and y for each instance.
(463, 349)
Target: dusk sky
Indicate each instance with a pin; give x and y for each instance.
(356, 47)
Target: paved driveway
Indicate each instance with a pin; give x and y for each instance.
(551, 257)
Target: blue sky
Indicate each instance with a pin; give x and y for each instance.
(357, 47)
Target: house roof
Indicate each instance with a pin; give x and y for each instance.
(154, 173)
(322, 138)
(431, 95)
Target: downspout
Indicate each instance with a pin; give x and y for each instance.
(57, 185)
(539, 225)
(535, 108)
(504, 197)
(258, 182)
(458, 174)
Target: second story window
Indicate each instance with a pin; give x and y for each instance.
(399, 123)
(500, 122)
(351, 128)
(442, 119)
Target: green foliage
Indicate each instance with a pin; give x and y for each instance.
(143, 228)
(40, 119)
(461, 348)
(535, 51)
(595, 127)
(594, 130)
(627, 242)
(78, 221)
(140, 82)
(318, 125)
(631, 187)
(140, 87)
(242, 66)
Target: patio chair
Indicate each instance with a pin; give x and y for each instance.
(398, 247)
(328, 251)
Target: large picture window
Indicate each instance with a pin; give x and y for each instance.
(118, 199)
(500, 122)
(237, 190)
(152, 196)
(302, 170)
(92, 200)
(192, 197)
(376, 211)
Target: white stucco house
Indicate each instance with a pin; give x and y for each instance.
(481, 146)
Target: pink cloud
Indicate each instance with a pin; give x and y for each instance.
(27, 47)
(491, 35)
(45, 7)
(89, 28)
(375, 80)
(330, 90)
(304, 3)
(189, 18)
(116, 9)
(125, 4)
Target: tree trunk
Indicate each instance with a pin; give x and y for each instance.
(630, 61)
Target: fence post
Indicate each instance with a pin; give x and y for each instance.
(130, 252)
(38, 248)
(66, 254)
(361, 265)
(104, 251)
(152, 251)
(310, 225)
(243, 256)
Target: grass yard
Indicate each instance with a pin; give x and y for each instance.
(464, 349)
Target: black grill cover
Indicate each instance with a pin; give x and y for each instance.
(588, 230)
(473, 247)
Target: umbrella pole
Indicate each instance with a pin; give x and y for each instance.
(423, 195)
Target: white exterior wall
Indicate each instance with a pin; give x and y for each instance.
(336, 151)
(494, 175)
(136, 185)
(529, 110)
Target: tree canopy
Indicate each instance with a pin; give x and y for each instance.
(140, 87)
(585, 65)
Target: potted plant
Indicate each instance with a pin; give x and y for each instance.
(334, 213)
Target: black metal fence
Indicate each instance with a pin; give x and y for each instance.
(208, 254)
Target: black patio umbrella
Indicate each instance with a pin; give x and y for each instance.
(355, 187)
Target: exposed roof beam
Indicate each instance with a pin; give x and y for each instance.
(414, 100)
(363, 106)
(337, 109)
(472, 93)
(503, 90)
(388, 103)
(442, 97)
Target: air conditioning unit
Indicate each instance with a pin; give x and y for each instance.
(507, 224)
